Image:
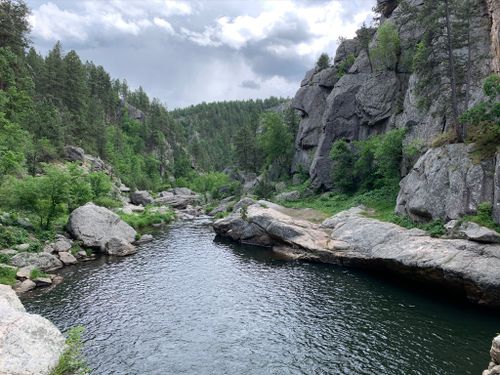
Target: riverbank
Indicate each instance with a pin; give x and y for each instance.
(350, 238)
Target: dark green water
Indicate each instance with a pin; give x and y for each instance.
(185, 304)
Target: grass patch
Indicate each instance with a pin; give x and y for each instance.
(147, 218)
(484, 217)
(36, 273)
(379, 202)
(11, 236)
(4, 259)
(72, 361)
(7, 275)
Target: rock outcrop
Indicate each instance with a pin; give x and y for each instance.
(494, 366)
(142, 197)
(446, 184)
(351, 238)
(361, 102)
(95, 226)
(178, 198)
(29, 344)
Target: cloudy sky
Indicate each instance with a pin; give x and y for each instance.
(188, 52)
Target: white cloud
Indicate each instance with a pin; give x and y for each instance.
(164, 24)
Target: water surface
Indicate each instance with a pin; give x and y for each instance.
(186, 304)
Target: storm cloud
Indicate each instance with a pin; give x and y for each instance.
(188, 52)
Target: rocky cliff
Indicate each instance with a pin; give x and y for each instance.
(365, 101)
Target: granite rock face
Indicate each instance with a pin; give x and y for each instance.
(29, 344)
(446, 184)
(364, 102)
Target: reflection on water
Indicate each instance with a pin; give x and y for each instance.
(186, 304)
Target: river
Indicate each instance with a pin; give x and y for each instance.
(186, 304)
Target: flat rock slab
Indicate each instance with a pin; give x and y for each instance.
(43, 261)
(350, 238)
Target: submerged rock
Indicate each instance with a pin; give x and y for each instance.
(95, 226)
(29, 344)
(119, 247)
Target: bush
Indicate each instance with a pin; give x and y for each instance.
(147, 218)
(7, 275)
(323, 62)
(10, 236)
(72, 361)
(217, 184)
(483, 121)
(4, 259)
(344, 66)
(368, 164)
(385, 53)
(36, 273)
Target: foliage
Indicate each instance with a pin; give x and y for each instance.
(483, 120)
(368, 164)
(7, 275)
(36, 273)
(147, 218)
(59, 190)
(11, 236)
(4, 258)
(71, 361)
(276, 139)
(344, 66)
(323, 62)
(484, 216)
(217, 184)
(385, 53)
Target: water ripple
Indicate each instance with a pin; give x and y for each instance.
(185, 304)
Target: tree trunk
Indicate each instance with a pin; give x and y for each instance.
(451, 69)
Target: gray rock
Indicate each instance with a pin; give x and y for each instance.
(95, 226)
(471, 231)
(8, 252)
(42, 261)
(29, 344)
(119, 247)
(445, 184)
(178, 198)
(288, 196)
(43, 281)
(182, 191)
(141, 197)
(356, 240)
(146, 238)
(62, 244)
(67, 258)
(22, 247)
(74, 153)
(495, 350)
(24, 272)
(25, 286)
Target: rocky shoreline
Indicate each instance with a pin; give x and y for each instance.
(350, 238)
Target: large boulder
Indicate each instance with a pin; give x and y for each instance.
(446, 184)
(178, 198)
(43, 261)
(74, 153)
(29, 344)
(95, 226)
(471, 231)
(141, 197)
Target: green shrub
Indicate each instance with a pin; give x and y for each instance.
(147, 218)
(368, 164)
(385, 53)
(4, 258)
(344, 66)
(108, 202)
(483, 121)
(217, 184)
(11, 236)
(72, 361)
(323, 61)
(36, 273)
(484, 216)
(7, 275)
